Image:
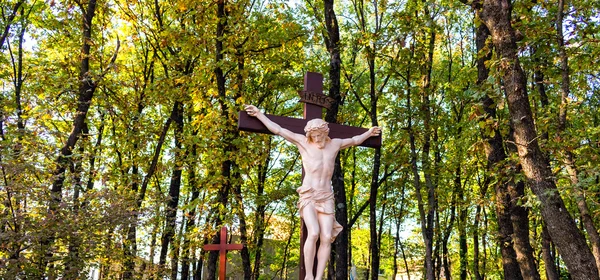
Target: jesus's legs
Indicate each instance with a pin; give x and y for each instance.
(326, 225)
(312, 235)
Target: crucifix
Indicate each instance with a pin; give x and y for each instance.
(318, 149)
(223, 247)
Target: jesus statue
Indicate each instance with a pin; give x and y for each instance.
(316, 204)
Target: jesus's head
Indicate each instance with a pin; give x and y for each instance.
(317, 132)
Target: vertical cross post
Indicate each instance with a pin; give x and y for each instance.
(313, 84)
(223, 247)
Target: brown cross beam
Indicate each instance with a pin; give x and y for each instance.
(223, 247)
(314, 101)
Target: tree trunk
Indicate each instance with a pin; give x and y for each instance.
(568, 155)
(494, 149)
(190, 224)
(228, 136)
(13, 226)
(374, 186)
(515, 225)
(548, 256)
(87, 86)
(428, 217)
(405, 262)
(496, 15)
(505, 232)
(259, 215)
(73, 262)
(283, 273)
(131, 243)
(426, 232)
(520, 223)
(462, 234)
(476, 223)
(237, 190)
(339, 251)
(173, 195)
(462, 239)
(398, 248)
(458, 190)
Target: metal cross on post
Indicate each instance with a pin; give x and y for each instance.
(314, 101)
(223, 247)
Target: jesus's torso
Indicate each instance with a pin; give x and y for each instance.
(318, 164)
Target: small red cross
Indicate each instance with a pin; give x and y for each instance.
(223, 247)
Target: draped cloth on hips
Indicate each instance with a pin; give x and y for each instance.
(323, 203)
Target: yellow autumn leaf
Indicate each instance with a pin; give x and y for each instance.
(181, 6)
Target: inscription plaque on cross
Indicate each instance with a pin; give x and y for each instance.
(314, 101)
(223, 247)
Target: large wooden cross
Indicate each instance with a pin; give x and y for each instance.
(314, 101)
(223, 247)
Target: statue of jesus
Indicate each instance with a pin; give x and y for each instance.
(316, 204)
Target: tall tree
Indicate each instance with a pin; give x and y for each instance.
(496, 14)
(87, 86)
(568, 155)
(12, 203)
(338, 265)
(512, 217)
(227, 171)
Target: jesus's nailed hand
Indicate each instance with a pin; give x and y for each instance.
(375, 131)
(251, 110)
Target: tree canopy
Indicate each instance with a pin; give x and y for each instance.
(120, 155)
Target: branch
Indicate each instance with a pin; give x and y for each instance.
(111, 64)
(355, 93)
(387, 175)
(9, 21)
(358, 213)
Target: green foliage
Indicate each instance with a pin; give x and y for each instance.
(167, 55)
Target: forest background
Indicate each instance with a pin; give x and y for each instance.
(120, 156)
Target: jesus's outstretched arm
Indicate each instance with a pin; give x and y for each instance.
(358, 139)
(272, 126)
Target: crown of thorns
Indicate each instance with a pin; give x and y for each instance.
(315, 125)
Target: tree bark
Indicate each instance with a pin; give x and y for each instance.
(515, 190)
(462, 240)
(426, 230)
(173, 195)
(520, 223)
(548, 256)
(496, 15)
